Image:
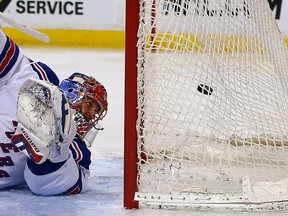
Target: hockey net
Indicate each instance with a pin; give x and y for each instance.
(212, 106)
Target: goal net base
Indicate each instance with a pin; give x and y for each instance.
(265, 196)
(154, 201)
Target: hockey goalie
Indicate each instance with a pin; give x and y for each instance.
(46, 127)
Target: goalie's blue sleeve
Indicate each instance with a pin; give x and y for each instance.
(82, 157)
(67, 177)
(81, 153)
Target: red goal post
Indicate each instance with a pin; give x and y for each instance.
(130, 137)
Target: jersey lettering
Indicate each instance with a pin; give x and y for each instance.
(7, 148)
(4, 174)
(6, 161)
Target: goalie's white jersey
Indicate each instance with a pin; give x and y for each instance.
(71, 175)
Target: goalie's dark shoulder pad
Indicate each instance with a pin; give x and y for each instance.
(44, 72)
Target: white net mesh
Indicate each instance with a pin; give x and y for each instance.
(212, 100)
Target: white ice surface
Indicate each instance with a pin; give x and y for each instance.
(105, 196)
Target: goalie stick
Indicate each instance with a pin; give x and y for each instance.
(27, 30)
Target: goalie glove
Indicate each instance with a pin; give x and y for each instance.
(45, 124)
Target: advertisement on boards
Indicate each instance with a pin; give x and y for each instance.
(280, 12)
(67, 14)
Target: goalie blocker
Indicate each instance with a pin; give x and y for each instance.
(45, 122)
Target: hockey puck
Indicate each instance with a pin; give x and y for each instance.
(205, 89)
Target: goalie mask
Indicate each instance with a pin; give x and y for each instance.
(88, 98)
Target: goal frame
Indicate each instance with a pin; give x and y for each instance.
(130, 116)
(130, 113)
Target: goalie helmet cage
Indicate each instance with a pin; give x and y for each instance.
(206, 106)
